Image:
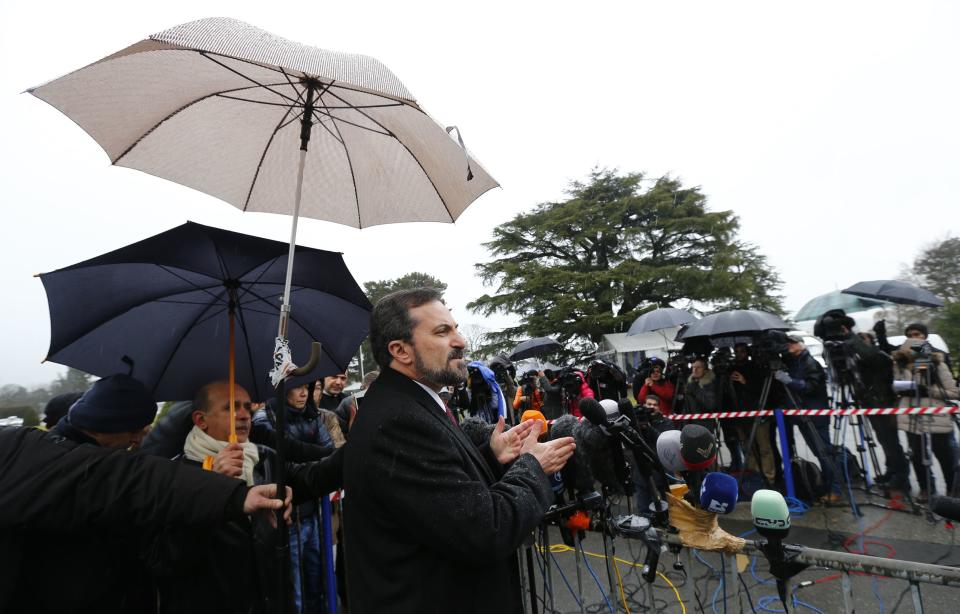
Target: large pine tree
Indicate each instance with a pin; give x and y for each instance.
(589, 265)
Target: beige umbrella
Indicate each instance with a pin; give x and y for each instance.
(228, 109)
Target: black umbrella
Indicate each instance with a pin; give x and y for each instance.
(659, 319)
(734, 322)
(900, 292)
(534, 347)
(162, 307)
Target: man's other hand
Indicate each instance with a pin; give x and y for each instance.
(229, 461)
(506, 446)
(552, 455)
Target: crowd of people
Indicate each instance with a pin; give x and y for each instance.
(119, 511)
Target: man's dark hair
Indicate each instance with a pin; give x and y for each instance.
(920, 327)
(651, 396)
(201, 400)
(391, 321)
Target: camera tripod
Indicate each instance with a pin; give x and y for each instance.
(789, 452)
(844, 375)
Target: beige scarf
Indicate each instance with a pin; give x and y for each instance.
(199, 445)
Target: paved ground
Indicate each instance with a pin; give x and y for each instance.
(890, 534)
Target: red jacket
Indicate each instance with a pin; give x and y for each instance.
(664, 390)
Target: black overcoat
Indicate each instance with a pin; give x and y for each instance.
(72, 517)
(431, 523)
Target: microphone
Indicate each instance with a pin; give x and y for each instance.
(610, 408)
(626, 408)
(576, 474)
(770, 515)
(698, 448)
(533, 414)
(604, 450)
(947, 507)
(771, 518)
(668, 451)
(719, 493)
(591, 409)
(477, 430)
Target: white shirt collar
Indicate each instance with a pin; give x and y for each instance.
(435, 396)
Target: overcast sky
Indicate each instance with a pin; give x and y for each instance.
(830, 129)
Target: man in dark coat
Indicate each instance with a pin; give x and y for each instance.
(73, 510)
(806, 382)
(431, 522)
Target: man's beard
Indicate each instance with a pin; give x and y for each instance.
(447, 376)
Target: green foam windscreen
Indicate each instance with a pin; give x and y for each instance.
(770, 513)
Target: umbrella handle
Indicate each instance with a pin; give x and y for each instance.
(311, 364)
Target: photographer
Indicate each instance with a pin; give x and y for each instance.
(806, 382)
(870, 373)
(552, 393)
(929, 383)
(739, 390)
(528, 395)
(701, 390)
(650, 380)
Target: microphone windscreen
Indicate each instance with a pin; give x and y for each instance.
(668, 450)
(476, 430)
(947, 507)
(698, 447)
(610, 408)
(770, 514)
(592, 411)
(576, 473)
(597, 447)
(719, 493)
(626, 408)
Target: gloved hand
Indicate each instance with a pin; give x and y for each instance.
(880, 330)
(783, 377)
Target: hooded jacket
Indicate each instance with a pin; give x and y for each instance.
(942, 388)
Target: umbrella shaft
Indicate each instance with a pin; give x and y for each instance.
(285, 307)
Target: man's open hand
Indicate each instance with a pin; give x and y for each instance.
(552, 455)
(506, 445)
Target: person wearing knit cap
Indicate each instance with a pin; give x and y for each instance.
(113, 414)
(57, 407)
(916, 330)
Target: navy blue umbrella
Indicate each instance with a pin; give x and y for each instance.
(534, 347)
(161, 309)
(899, 292)
(734, 322)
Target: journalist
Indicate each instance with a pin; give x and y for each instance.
(651, 380)
(929, 383)
(806, 382)
(652, 423)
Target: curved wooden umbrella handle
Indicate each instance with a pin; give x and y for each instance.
(311, 364)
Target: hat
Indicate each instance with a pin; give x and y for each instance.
(115, 404)
(57, 407)
(917, 326)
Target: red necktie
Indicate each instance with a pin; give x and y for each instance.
(450, 415)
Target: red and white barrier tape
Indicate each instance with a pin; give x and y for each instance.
(875, 411)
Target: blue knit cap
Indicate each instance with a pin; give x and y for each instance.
(115, 404)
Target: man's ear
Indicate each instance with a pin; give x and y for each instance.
(401, 352)
(199, 420)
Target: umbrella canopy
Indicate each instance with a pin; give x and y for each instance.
(894, 291)
(734, 322)
(161, 307)
(817, 306)
(534, 347)
(217, 105)
(659, 319)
